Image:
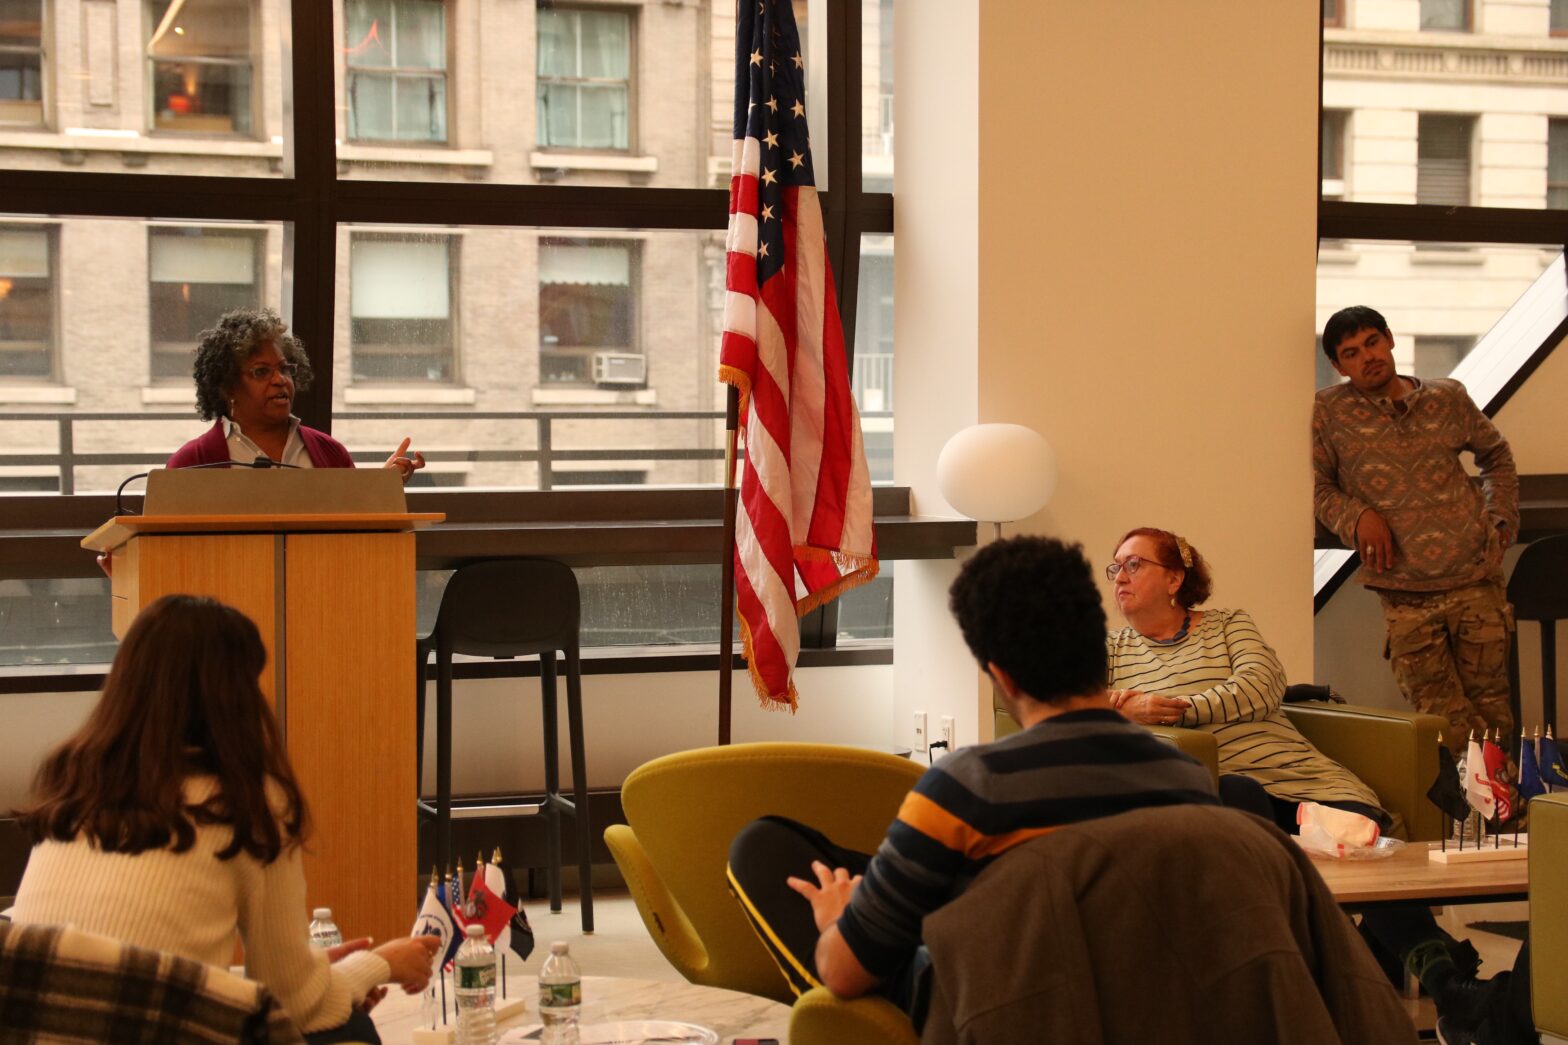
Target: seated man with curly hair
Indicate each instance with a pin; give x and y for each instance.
(1031, 615)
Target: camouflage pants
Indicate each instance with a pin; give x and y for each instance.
(1449, 652)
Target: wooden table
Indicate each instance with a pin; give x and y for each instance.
(608, 999)
(1408, 876)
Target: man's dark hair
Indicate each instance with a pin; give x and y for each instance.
(1030, 606)
(1347, 322)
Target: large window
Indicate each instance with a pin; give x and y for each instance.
(1446, 14)
(194, 276)
(585, 78)
(21, 61)
(534, 293)
(26, 302)
(200, 66)
(401, 304)
(588, 314)
(396, 54)
(1332, 143)
(1559, 17)
(1443, 159)
(1557, 164)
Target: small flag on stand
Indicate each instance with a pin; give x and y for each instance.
(1478, 788)
(1497, 776)
(1446, 792)
(519, 935)
(435, 919)
(1551, 764)
(486, 907)
(1530, 783)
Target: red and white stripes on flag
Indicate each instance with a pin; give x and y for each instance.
(803, 533)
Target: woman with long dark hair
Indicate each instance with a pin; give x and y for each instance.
(172, 820)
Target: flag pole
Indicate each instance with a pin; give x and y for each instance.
(727, 567)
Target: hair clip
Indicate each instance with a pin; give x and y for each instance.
(1185, 550)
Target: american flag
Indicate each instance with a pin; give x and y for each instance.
(803, 533)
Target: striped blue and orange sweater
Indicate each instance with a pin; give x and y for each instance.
(981, 801)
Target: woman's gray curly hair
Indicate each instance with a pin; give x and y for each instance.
(223, 349)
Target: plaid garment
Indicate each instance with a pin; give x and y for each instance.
(61, 985)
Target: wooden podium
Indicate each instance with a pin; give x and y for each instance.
(333, 597)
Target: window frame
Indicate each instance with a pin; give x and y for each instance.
(45, 18)
(1468, 20)
(453, 240)
(251, 62)
(258, 243)
(637, 347)
(395, 73)
(633, 70)
(51, 231)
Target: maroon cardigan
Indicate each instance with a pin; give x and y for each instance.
(212, 447)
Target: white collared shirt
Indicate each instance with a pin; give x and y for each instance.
(243, 451)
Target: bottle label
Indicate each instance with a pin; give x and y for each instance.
(560, 995)
(475, 977)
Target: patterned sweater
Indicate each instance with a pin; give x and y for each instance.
(1235, 684)
(981, 801)
(1370, 454)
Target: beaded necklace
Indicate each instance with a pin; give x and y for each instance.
(1186, 622)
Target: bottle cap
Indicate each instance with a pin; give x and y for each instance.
(558, 947)
(474, 930)
(322, 914)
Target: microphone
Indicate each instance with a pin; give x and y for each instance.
(262, 461)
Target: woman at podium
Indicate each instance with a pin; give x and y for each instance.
(247, 369)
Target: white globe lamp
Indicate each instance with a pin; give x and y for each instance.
(997, 473)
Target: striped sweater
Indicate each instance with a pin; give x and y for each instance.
(1235, 685)
(979, 802)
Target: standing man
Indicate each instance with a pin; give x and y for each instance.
(1388, 480)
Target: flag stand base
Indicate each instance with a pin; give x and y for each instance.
(1507, 849)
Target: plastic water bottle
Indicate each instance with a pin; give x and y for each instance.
(560, 996)
(474, 977)
(323, 930)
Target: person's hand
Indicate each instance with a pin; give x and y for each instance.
(348, 947)
(410, 958)
(405, 463)
(1151, 709)
(106, 563)
(1374, 541)
(829, 896)
(372, 999)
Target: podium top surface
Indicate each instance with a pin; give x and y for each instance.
(122, 528)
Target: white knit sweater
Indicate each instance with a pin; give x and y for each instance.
(192, 904)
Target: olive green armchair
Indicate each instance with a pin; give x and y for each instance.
(682, 812)
(1549, 913)
(1393, 751)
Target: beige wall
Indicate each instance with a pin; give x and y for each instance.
(1144, 272)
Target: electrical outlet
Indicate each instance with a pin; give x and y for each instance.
(922, 741)
(947, 733)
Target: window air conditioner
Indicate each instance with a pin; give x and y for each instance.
(620, 368)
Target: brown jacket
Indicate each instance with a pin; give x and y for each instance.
(1367, 454)
(1189, 924)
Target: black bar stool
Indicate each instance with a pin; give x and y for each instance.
(1539, 592)
(507, 608)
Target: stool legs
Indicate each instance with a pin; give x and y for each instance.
(552, 775)
(444, 757)
(574, 726)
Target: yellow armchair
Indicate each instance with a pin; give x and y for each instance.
(684, 809)
(1549, 913)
